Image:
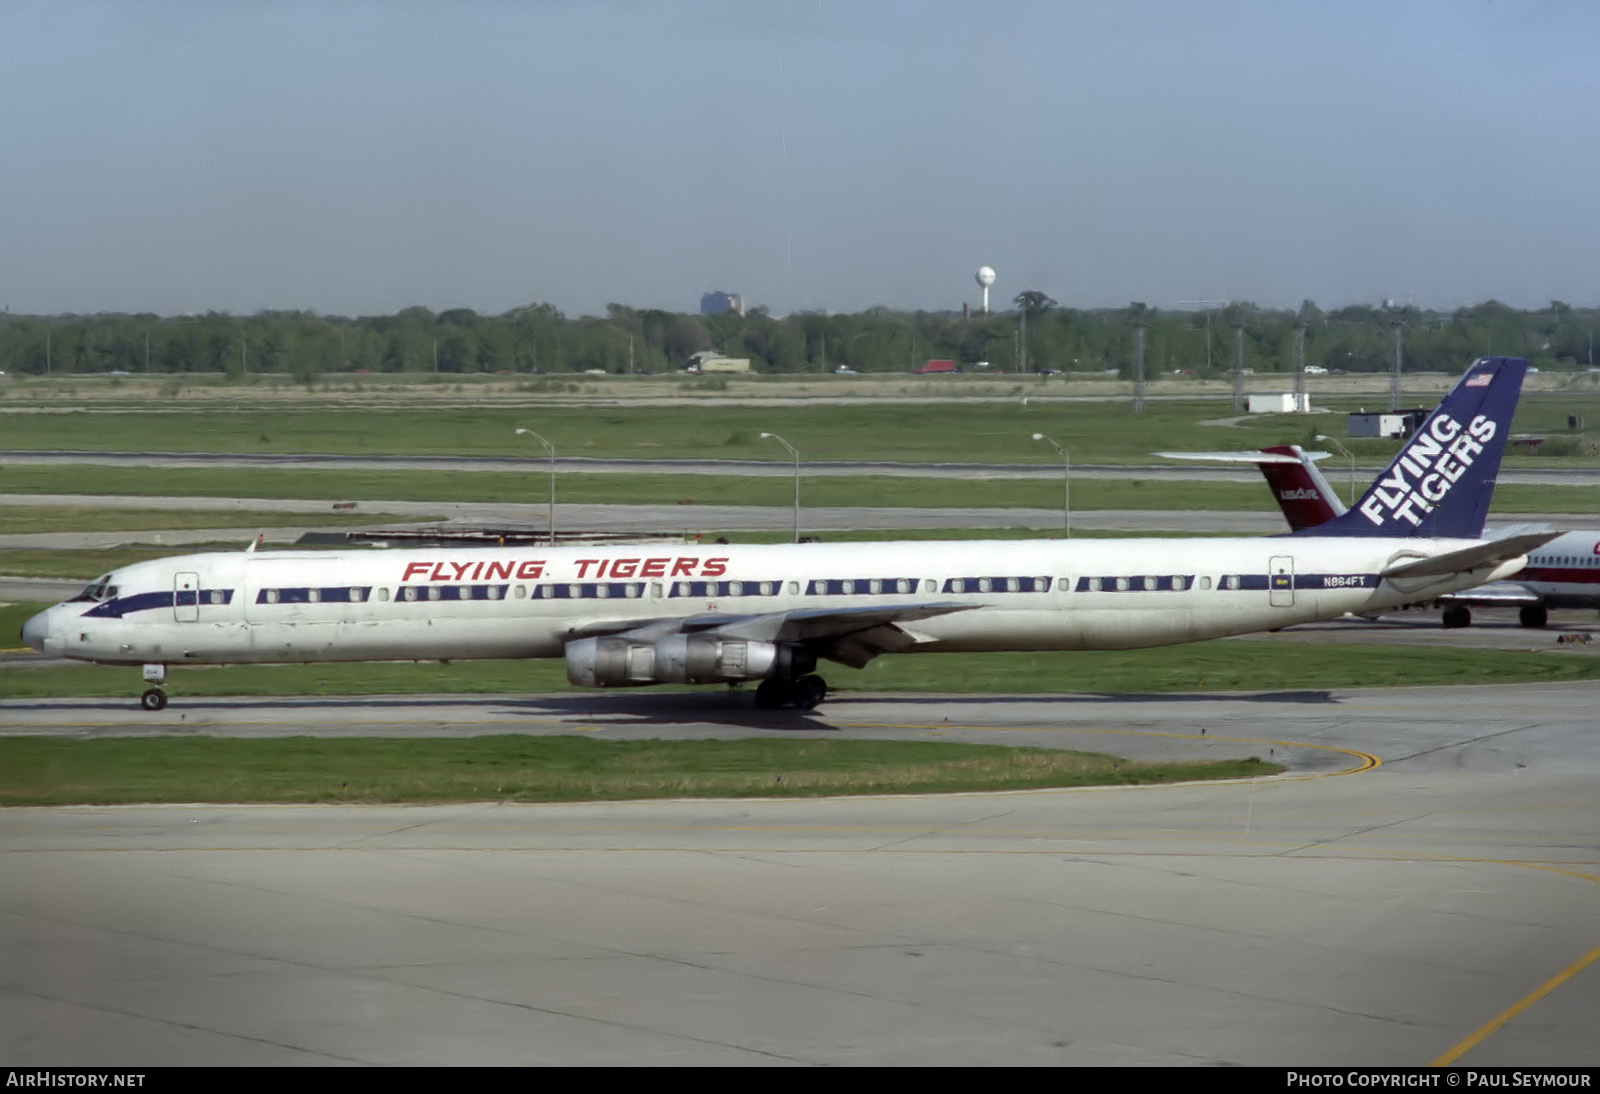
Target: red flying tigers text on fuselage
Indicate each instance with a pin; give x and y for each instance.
(532, 569)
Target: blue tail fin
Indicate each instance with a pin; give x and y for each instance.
(1440, 483)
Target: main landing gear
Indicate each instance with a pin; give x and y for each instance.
(1457, 615)
(154, 698)
(1534, 615)
(803, 693)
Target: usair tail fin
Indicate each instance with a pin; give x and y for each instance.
(1441, 482)
(1302, 493)
(1291, 472)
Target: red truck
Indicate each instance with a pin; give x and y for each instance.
(935, 366)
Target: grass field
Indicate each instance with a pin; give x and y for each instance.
(524, 769)
(876, 491)
(1225, 665)
(23, 519)
(976, 432)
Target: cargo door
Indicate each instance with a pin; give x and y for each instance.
(1280, 581)
(186, 597)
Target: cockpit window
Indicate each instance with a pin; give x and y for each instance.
(97, 590)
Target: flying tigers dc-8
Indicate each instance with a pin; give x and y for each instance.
(630, 616)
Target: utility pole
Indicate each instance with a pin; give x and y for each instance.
(1138, 368)
(1022, 344)
(1299, 363)
(1238, 364)
(1394, 377)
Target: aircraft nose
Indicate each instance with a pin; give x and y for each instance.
(36, 630)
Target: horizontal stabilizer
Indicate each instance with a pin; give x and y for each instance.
(1255, 456)
(1476, 557)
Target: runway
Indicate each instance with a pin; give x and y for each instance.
(1168, 471)
(1423, 887)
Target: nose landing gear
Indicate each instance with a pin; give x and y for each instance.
(154, 698)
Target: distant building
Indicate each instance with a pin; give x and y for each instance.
(1285, 403)
(716, 303)
(1386, 423)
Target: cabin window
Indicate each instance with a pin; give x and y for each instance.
(313, 595)
(735, 588)
(216, 596)
(1122, 584)
(794, 588)
(520, 591)
(1205, 583)
(984, 585)
(1094, 584)
(602, 591)
(272, 596)
(434, 592)
(1063, 584)
(1231, 581)
(1149, 584)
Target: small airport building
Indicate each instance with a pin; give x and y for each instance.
(1286, 402)
(1385, 423)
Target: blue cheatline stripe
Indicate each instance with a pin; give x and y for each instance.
(998, 584)
(314, 594)
(589, 590)
(422, 593)
(117, 607)
(862, 586)
(725, 588)
(1335, 581)
(1160, 583)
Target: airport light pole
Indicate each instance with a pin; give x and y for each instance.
(1066, 482)
(552, 450)
(796, 454)
(1347, 452)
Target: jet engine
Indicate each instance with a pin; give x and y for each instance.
(616, 661)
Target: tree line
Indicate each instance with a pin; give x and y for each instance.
(1035, 335)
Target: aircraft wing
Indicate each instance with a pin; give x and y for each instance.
(1472, 558)
(1496, 594)
(852, 636)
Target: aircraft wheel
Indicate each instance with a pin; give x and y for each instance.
(154, 699)
(809, 691)
(772, 694)
(1457, 615)
(1534, 615)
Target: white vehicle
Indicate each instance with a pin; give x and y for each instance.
(1314, 370)
(630, 616)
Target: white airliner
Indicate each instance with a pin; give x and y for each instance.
(627, 616)
(1564, 573)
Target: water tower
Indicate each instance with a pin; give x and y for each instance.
(985, 278)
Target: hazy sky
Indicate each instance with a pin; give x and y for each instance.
(357, 158)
